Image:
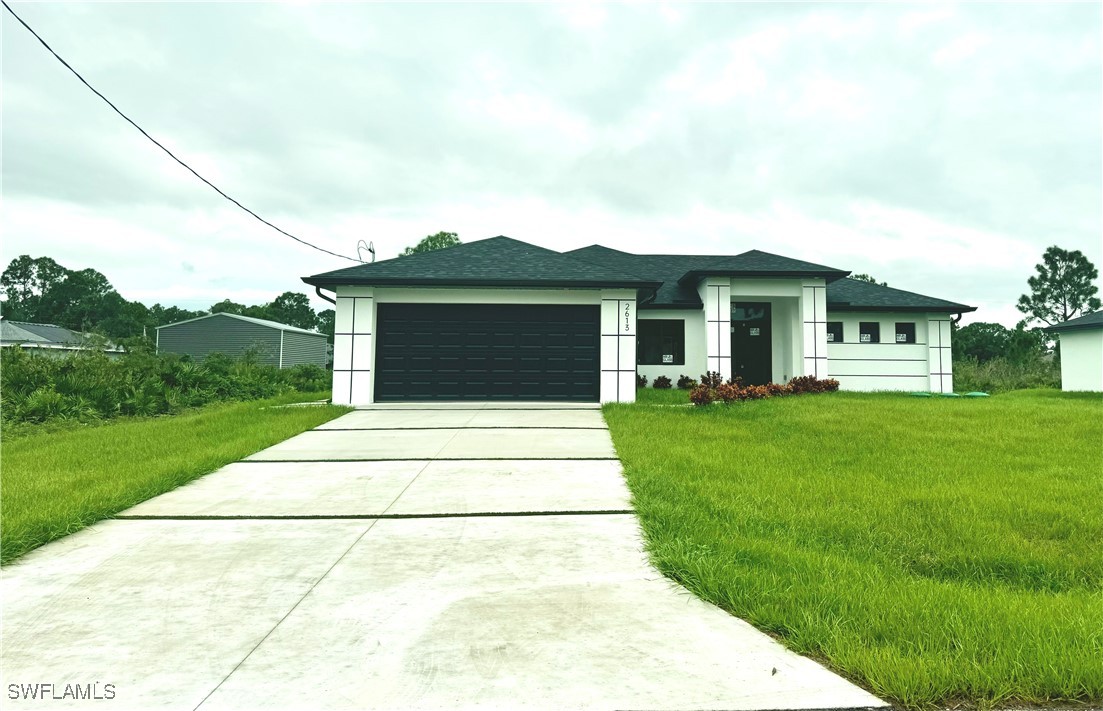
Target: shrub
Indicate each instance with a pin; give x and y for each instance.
(88, 385)
(810, 384)
(712, 389)
(641, 381)
(702, 395)
(711, 380)
(662, 383)
(1003, 374)
(686, 383)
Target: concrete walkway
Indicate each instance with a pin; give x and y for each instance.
(476, 556)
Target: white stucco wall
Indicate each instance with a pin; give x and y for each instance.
(1082, 360)
(354, 344)
(921, 366)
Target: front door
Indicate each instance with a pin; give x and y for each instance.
(751, 352)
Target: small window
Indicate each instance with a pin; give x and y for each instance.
(905, 333)
(834, 331)
(869, 332)
(661, 342)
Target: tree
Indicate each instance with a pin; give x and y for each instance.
(293, 309)
(327, 323)
(868, 278)
(985, 341)
(25, 281)
(1062, 289)
(440, 240)
(228, 307)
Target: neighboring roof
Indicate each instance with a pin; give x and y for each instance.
(42, 333)
(10, 332)
(250, 319)
(1080, 323)
(857, 295)
(498, 261)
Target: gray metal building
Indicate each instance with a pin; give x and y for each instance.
(274, 343)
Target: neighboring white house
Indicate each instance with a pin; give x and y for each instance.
(50, 340)
(501, 319)
(1081, 352)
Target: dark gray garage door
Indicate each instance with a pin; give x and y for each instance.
(487, 352)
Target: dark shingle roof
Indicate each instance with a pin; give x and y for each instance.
(856, 295)
(498, 261)
(502, 261)
(1080, 323)
(680, 273)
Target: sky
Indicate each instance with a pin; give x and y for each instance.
(940, 148)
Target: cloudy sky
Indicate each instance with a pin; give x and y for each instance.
(938, 147)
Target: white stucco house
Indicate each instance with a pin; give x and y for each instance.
(1081, 352)
(500, 319)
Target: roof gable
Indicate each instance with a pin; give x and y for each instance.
(498, 261)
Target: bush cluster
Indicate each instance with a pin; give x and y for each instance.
(90, 386)
(686, 383)
(999, 375)
(641, 381)
(662, 383)
(713, 388)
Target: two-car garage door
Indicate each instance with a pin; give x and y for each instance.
(487, 352)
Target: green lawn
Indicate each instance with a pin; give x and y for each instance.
(57, 481)
(936, 551)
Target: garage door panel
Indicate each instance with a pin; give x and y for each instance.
(487, 352)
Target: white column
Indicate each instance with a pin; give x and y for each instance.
(939, 353)
(352, 346)
(618, 345)
(716, 295)
(814, 314)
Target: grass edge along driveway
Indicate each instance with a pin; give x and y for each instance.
(936, 551)
(56, 482)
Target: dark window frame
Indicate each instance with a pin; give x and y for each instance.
(908, 332)
(873, 328)
(831, 328)
(660, 328)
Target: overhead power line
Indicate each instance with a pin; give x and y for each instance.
(166, 150)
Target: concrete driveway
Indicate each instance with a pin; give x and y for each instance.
(397, 557)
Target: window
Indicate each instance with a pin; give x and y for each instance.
(661, 342)
(834, 331)
(905, 333)
(869, 332)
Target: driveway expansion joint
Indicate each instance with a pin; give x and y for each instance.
(366, 517)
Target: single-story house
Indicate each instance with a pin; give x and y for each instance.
(273, 343)
(51, 340)
(501, 319)
(1081, 352)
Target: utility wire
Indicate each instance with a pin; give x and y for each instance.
(166, 150)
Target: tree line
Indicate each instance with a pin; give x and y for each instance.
(39, 290)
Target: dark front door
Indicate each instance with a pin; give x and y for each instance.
(487, 352)
(751, 352)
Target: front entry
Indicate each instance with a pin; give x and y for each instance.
(752, 356)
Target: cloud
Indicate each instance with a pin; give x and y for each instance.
(942, 147)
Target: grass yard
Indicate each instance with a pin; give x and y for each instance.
(57, 481)
(935, 551)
